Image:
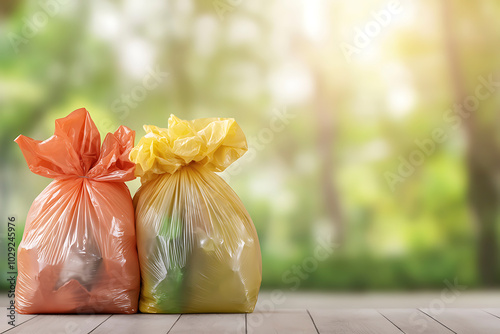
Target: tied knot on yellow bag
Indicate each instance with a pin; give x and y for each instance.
(211, 142)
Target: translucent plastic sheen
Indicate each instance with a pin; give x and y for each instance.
(198, 248)
(78, 252)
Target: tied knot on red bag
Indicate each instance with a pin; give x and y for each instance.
(75, 151)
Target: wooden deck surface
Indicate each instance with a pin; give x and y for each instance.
(316, 317)
(362, 321)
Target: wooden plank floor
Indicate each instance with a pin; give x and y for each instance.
(362, 321)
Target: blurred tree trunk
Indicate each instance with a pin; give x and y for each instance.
(7, 7)
(327, 131)
(483, 193)
(324, 100)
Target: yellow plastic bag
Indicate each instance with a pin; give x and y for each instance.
(198, 248)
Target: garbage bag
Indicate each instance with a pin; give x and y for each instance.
(78, 252)
(198, 248)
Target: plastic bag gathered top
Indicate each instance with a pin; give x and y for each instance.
(198, 248)
(78, 252)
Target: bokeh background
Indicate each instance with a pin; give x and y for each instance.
(373, 125)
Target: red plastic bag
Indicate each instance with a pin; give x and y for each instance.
(78, 253)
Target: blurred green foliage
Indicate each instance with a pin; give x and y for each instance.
(320, 172)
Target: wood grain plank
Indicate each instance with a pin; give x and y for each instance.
(19, 319)
(210, 323)
(282, 321)
(413, 321)
(356, 321)
(494, 311)
(137, 323)
(60, 324)
(466, 321)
